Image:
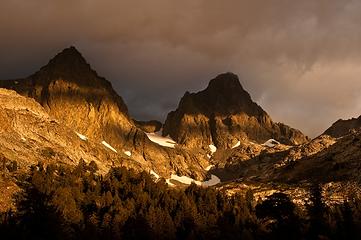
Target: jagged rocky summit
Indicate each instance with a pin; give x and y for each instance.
(223, 114)
(72, 93)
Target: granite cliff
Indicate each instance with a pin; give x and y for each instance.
(223, 114)
(75, 95)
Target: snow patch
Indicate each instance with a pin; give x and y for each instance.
(211, 182)
(128, 153)
(23, 138)
(208, 156)
(271, 143)
(160, 140)
(108, 146)
(187, 180)
(82, 137)
(212, 148)
(154, 174)
(184, 179)
(237, 144)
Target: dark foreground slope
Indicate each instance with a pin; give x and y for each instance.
(63, 203)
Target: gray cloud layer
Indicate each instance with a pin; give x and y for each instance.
(300, 60)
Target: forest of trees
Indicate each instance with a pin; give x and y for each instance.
(59, 202)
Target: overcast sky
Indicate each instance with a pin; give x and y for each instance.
(300, 60)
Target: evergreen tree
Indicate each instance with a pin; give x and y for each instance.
(316, 212)
(279, 211)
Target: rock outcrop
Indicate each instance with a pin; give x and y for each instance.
(151, 126)
(71, 92)
(279, 163)
(224, 114)
(74, 94)
(343, 127)
(339, 161)
(322, 160)
(28, 134)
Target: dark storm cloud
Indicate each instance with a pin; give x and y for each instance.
(300, 60)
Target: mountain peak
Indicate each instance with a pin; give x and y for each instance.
(71, 66)
(226, 94)
(223, 114)
(72, 50)
(69, 56)
(228, 87)
(225, 81)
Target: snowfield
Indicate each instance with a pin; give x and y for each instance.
(271, 143)
(81, 136)
(154, 174)
(108, 146)
(184, 179)
(212, 148)
(160, 140)
(211, 182)
(187, 180)
(128, 153)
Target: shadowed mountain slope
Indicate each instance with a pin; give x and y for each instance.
(224, 114)
(343, 127)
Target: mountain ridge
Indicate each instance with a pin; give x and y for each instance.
(222, 114)
(84, 119)
(74, 94)
(343, 127)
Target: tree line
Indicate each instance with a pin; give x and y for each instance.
(60, 202)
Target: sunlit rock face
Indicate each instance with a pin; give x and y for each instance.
(30, 135)
(224, 114)
(74, 94)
